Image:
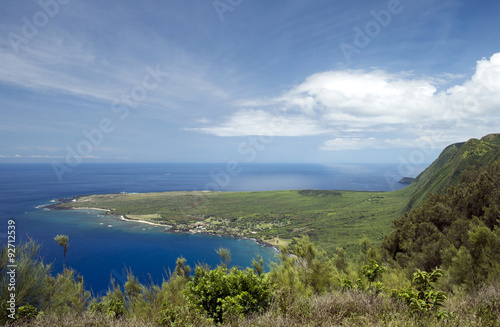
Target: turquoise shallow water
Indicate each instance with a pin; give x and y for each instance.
(103, 246)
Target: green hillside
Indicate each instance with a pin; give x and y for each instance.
(449, 166)
(458, 230)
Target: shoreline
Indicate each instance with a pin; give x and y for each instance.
(168, 229)
(122, 218)
(89, 208)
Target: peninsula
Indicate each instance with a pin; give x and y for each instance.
(333, 219)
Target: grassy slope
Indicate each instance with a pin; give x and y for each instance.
(332, 220)
(451, 163)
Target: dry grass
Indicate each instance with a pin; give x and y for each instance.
(332, 309)
(85, 320)
(361, 309)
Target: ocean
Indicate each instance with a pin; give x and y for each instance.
(101, 246)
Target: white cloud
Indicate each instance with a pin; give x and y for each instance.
(353, 106)
(356, 143)
(260, 122)
(349, 144)
(480, 94)
(62, 63)
(53, 64)
(203, 120)
(355, 96)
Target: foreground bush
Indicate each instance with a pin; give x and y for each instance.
(222, 294)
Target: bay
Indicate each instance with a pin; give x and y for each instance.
(102, 246)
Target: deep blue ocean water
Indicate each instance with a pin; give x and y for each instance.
(101, 246)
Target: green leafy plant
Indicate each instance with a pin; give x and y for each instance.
(220, 293)
(348, 285)
(372, 271)
(27, 312)
(422, 297)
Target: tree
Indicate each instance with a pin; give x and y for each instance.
(225, 255)
(340, 260)
(181, 269)
(62, 240)
(258, 265)
(222, 294)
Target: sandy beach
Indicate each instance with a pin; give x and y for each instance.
(144, 222)
(123, 218)
(89, 208)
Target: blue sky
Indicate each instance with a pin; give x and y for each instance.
(248, 81)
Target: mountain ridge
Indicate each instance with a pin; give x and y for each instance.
(450, 165)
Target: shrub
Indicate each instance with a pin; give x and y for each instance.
(68, 293)
(308, 270)
(372, 271)
(423, 298)
(27, 312)
(113, 304)
(219, 293)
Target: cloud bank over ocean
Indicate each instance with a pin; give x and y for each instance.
(358, 107)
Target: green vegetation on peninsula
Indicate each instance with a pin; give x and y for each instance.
(333, 219)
